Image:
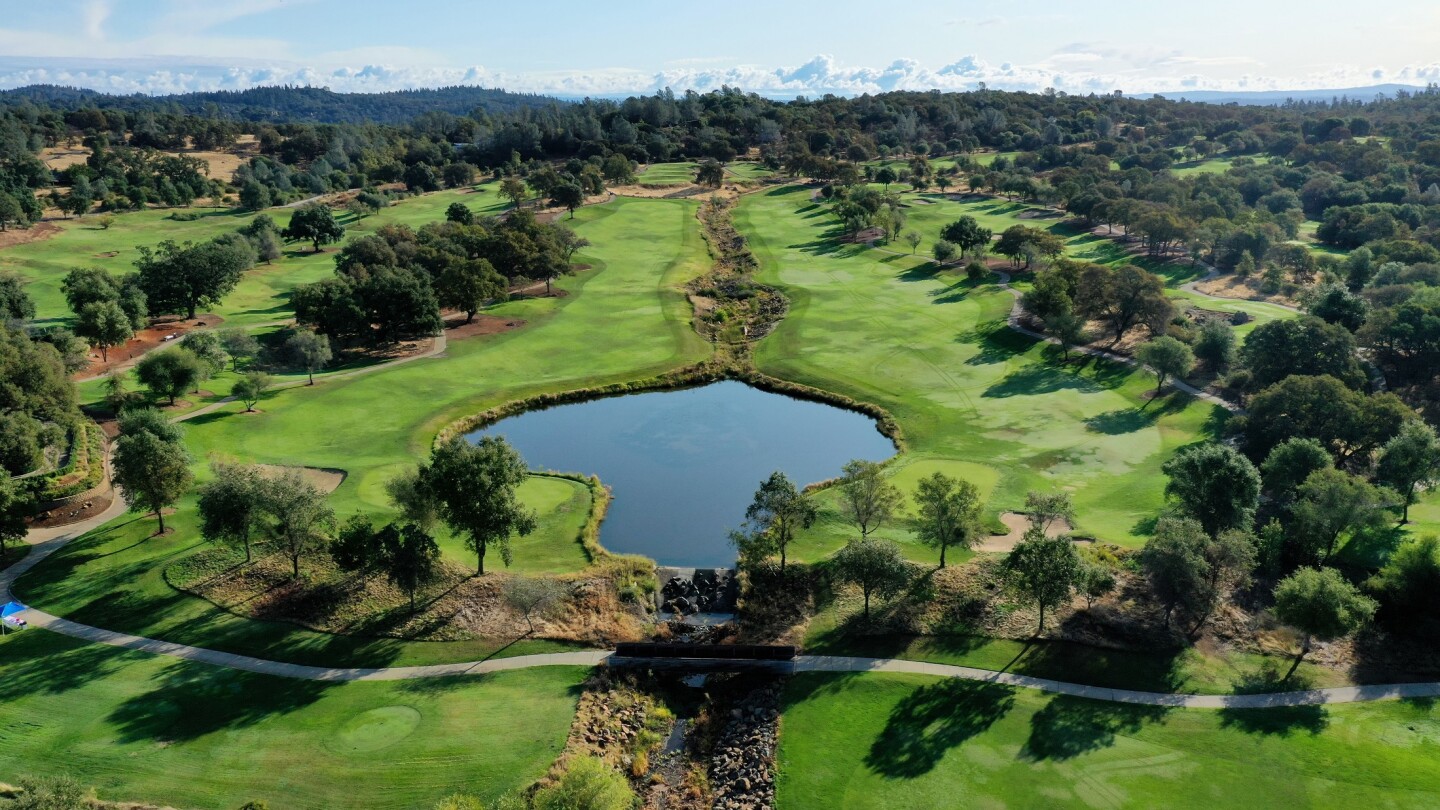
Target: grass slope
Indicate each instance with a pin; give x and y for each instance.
(881, 741)
(974, 398)
(374, 425)
(142, 728)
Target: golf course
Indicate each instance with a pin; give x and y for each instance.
(475, 450)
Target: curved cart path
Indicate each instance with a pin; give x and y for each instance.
(47, 541)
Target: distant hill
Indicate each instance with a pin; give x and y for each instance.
(291, 104)
(1270, 98)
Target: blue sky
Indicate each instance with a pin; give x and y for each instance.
(776, 47)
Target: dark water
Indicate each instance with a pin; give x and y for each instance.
(684, 465)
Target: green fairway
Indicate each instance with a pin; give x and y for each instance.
(885, 741)
(972, 397)
(373, 425)
(747, 171)
(262, 294)
(143, 728)
(668, 174)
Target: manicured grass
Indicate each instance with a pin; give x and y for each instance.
(138, 727)
(668, 174)
(969, 393)
(884, 741)
(261, 296)
(747, 171)
(373, 425)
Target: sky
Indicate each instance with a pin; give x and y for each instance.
(778, 48)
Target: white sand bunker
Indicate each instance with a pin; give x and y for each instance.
(1017, 524)
(325, 479)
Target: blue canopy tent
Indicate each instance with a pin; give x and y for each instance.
(10, 615)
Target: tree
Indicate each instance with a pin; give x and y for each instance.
(10, 211)
(948, 513)
(1320, 604)
(534, 597)
(255, 196)
(777, 512)
(1045, 569)
(467, 285)
(15, 303)
(1047, 508)
(230, 505)
(966, 234)
(913, 239)
(1167, 357)
(104, 324)
(568, 195)
(416, 504)
(1409, 461)
(866, 498)
(1068, 329)
(308, 350)
(1348, 423)
(152, 472)
(474, 489)
(1298, 347)
(1290, 463)
(410, 558)
(1174, 564)
(298, 520)
(1123, 297)
(877, 566)
(15, 507)
(943, 251)
(1407, 585)
(1214, 484)
(169, 373)
(250, 388)
(205, 345)
(239, 344)
(316, 224)
(1215, 344)
(460, 213)
(513, 190)
(458, 174)
(1334, 304)
(183, 278)
(587, 784)
(1096, 576)
(1331, 503)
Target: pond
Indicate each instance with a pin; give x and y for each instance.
(684, 465)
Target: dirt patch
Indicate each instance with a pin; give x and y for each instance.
(457, 329)
(109, 254)
(35, 233)
(1017, 524)
(1245, 289)
(325, 479)
(66, 515)
(675, 192)
(147, 339)
(864, 237)
(57, 158)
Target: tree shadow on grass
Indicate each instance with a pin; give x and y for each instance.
(998, 343)
(1276, 721)
(41, 663)
(192, 701)
(1070, 726)
(1036, 381)
(933, 719)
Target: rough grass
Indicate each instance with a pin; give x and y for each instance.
(971, 396)
(668, 174)
(881, 741)
(137, 727)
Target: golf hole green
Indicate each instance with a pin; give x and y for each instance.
(377, 729)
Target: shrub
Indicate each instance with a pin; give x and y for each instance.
(587, 784)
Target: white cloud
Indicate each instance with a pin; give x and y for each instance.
(1078, 68)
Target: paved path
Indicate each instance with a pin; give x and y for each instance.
(48, 541)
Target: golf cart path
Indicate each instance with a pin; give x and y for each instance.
(47, 541)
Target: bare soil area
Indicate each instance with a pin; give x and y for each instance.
(1246, 289)
(1017, 524)
(147, 339)
(325, 479)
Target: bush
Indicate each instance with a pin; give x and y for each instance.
(587, 784)
(976, 271)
